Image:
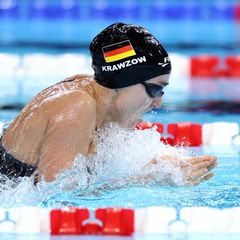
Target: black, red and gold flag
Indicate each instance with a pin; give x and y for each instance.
(118, 51)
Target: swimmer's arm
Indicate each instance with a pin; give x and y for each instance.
(65, 138)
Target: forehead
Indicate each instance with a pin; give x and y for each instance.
(162, 80)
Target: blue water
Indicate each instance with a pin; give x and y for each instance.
(222, 191)
(29, 25)
(23, 36)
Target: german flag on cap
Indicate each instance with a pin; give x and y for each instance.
(118, 51)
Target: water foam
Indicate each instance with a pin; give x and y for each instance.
(121, 159)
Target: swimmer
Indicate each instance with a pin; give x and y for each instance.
(131, 70)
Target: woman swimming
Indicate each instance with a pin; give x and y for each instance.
(131, 70)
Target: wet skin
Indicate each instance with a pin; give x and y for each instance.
(60, 122)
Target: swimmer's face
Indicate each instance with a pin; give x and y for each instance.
(133, 101)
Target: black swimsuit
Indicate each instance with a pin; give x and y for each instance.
(12, 167)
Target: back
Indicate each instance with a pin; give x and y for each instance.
(24, 136)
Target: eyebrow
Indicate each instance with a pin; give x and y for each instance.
(164, 83)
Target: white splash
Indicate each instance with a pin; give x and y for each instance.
(120, 160)
(122, 155)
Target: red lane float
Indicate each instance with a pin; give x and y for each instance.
(116, 221)
(233, 65)
(183, 134)
(192, 134)
(74, 221)
(68, 221)
(27, 221)
(160, 129)
(148, 125)
(204, 66)
(186, 134)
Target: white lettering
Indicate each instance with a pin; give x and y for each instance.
(125, 64)
(121, 65)
(114, 68)
(128, 63)
(142, 59)
(134, 61)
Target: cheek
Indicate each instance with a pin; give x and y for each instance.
(146, 103)
(140, 102)
(140, 96)
(143, 101)
(135, 99)
(141, 105)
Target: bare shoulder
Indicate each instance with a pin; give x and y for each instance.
(79, 100)
(76, 108)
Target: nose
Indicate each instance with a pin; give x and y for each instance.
(157, 102)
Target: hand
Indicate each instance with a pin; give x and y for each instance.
(195, 169)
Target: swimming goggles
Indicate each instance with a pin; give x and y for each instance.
(153, 90)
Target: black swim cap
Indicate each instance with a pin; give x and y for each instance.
(127, 54)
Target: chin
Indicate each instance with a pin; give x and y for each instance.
(134, 123)
(148, 109)
(128, 124)
(131, 122)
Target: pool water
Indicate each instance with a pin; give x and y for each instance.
(195, 100)
(199, 101)
(180, 105)
(222, 191)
